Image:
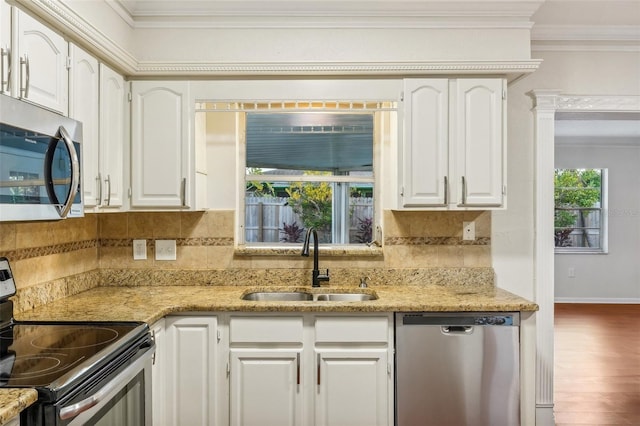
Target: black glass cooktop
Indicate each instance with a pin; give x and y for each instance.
(53, 354)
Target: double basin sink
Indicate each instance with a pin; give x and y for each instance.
(328, 295)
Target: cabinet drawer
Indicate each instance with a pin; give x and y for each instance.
(352, 329)
(265, 330)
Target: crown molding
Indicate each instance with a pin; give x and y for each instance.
(77, 30)
(628, 33)
(598, 103)
(324, 13)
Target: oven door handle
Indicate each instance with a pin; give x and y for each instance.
(114, 385)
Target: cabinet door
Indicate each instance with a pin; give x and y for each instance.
(5, 46)
(159, 395)
(424, 153)
(479, 142)
(84, 95)
(265, 388)
(42, 54)
(191, 359)
(353, 387)
(160, 117)
(112, 136)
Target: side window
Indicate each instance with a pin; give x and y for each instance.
(580, 218)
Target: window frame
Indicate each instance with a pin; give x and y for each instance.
(604, 213)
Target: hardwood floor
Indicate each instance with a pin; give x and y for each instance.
(597, 364)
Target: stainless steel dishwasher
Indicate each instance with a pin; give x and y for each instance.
(457, 369)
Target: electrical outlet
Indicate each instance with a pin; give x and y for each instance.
(139, 249)
(165, 249)
(468, 231)
(572, 272)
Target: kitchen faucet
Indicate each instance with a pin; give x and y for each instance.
(315, 275)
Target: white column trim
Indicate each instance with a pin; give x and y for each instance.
(546, 104)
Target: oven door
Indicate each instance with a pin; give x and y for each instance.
(120, 400)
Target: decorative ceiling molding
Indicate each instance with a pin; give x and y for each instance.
(324, 13)
(512, 68)
(586, 33)
(597, 103)
(61, 17)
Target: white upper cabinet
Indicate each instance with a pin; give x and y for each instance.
(97, 100)
(452, 154)
(480, 142)
(84, 93)
(160, 144)
(39, 64)
(5, 46)
(112, 137)
(425, 153)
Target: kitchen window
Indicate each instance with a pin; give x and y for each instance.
(580, 217)
(308, 164)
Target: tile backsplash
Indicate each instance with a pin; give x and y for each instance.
(47, 254)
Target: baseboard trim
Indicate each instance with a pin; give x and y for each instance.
(544, 415)
(618, 300)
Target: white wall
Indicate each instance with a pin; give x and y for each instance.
(612, 277)
(572, 72)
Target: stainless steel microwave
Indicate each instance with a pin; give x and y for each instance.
(40, 159)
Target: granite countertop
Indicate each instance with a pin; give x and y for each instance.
(151, 303)
(13, 401)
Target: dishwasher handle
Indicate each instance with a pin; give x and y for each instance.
(456, 329)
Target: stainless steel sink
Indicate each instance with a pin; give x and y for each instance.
(278, 296)
(344, 297)
(300, 296)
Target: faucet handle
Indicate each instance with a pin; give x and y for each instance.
(363, 282)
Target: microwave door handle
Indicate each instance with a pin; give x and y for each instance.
(64, 209)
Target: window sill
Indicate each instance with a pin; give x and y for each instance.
(580, 252)
(325, 251)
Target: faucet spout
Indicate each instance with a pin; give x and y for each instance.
(316, 277)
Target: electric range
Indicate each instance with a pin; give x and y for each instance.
(84, 372)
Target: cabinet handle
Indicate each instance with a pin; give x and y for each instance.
(5, 85)
(464, 191)
(24, 77)
(183, 192)
(108, 182)
(446, 190)
(318, 368)
(99, 197)
(464, 198)
(298, 368)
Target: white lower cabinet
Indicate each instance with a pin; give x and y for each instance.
(191, 349)
(311, 369)
(274, 370)
(353, 388)
(158, 375)
(264, 387)
(265, 382)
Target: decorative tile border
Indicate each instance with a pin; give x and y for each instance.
(436, 241)
(180, 242)
(31, 252)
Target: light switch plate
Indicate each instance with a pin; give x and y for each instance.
(165, 249)
(139, 249)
